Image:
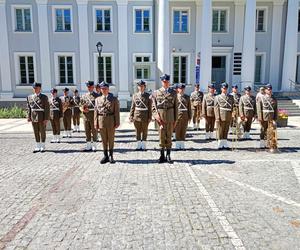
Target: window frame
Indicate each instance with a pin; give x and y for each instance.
(134, 19)
(188, 68)
(265, 9)
(17, 55)
(54, 21)
(188, 9)
(57, 73)
(142, 64)
(96, 76)
(102, 7)
(227, 26)
(14, 7)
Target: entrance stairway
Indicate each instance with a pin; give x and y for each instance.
(291, 104)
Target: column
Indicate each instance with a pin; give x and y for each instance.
(6, 90)
(239, 16)
(44, 45)
(123, 94)
(198, 30)
(276, 44)
(290, 46)
(84, 53)
(206, 45)
(163, 34)
(248, 57)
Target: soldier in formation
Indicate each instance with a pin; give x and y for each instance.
(56, 114)
(196, 102)
(76, 111)
(208, 111)
(67, 104)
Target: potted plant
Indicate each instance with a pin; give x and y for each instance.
(282, 120)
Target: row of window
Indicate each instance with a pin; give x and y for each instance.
(142, 19)
(104, 68)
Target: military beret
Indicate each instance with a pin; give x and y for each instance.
(234, 86)
(36, 85)
(175, 86)
(224, 85)
(247, 88)
(66, 89)
(197, 84)
(165, 77)
(104, 85)
(89, 83)
(181, 86)
(76, 91)
(211, 86)
(268, 86)
(53, 90)
(141, 83)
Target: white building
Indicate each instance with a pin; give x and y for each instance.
(239, 41)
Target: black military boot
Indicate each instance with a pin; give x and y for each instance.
(105, 159)
(168, 158)
(162, 158)
(111, 156)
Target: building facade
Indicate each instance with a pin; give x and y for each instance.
(238, 41)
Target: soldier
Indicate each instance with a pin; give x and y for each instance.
(141, 114)
(196, 102)
(247, 111)
(76, 111)
(56, 113)
(87, 106)
(67, 103)
(38, 114)
(98, 89)
(208, 111)
(184, 116)
(165, 112)
(107, 120)
(223, 113)
(175, 87)
(266, 111)
(260, 93)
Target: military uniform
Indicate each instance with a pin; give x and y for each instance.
(87, 106)
(38, 113)
(140, 115)
(266, 111)
(106, 119)
(209, 114)
(196, 103)
(165, 111)
(67, 103)
(247, 111)
(56, 112)
(184, 116)
(76, 113)
(223, 113)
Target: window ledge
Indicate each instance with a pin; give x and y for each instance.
(29, 86)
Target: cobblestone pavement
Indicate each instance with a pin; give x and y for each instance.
(64, 199)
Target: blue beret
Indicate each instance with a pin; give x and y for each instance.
(224, 85)
(104, 85)
(197, 84)
(248, 88)
(36, 85)
(165, 77)
(66, 89)
(268, 86)
(89, 83)
(211, 86)
(53, 90)
(76, 91)
(235, 86)
(141, 83)
(181, 86)
(175, 86)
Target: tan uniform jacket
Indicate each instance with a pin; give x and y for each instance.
(267, 108)
(107, 112)
(184, 107)
(38, 108)
(76, 107)
(88, 100)
(141, 107)
(247, 106)
(196, 99)
(56, 110)
(208, 105)
(223, 107)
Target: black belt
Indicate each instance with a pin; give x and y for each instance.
(104, 114)
(165, 108)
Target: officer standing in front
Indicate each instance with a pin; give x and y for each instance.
(223, 113)
(196, 102)
(107, 120)
(208, 111)
(38, 113)
(165, 112)
(56, 113)
(141, 114)
(87, 106)
(76, 111)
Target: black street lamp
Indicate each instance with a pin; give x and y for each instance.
(99, 46)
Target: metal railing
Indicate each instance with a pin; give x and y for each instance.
(294, 86)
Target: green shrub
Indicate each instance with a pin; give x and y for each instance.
(13, 112)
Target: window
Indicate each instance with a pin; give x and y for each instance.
(65, 66)
(219, 22)
(23, 19)
(142, 67)
(180, 21)
(142, 20)
(180, 69)
(103, 20)
(298, 20)
(258, 69)
(26, 68)
(63, 20)
(260, 20)
(105, 69)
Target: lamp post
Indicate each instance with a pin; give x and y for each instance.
(99, 46)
